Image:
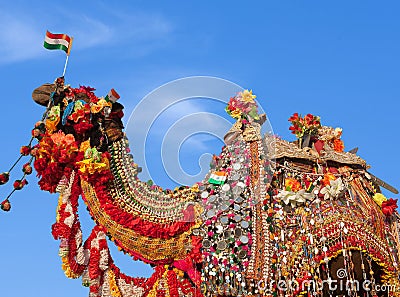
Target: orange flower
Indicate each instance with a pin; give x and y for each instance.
(60, 139)
(292, 184)
(338, 145)
(327, 178)
(51, 126)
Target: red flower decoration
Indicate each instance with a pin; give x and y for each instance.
(82, 127)
(309, 124)
(40, 165)
(34, 151)
(294, 117)
(88, 91)
(309, 119)
(389, 206)
(25, 150)
(80, 114)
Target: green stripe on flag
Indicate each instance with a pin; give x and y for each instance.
(216, 182)
(55, 47)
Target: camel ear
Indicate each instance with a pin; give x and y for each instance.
(231, 136)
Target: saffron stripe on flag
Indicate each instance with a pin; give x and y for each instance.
(58, 36)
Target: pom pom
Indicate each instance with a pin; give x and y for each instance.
(27, 168)
(19, 184)
(4, 177)
(5, 205)
(25, 150)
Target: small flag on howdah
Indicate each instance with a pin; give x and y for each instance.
(112, 96)
(217, 178)
(58, 42)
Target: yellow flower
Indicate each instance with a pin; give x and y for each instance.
(248, 96)
(67, 268)
(379, 198)
(88, 167)
(84, 146)
(236, 114)
(292, 185)
(96, 108)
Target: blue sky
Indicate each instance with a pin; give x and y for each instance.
(337, 59)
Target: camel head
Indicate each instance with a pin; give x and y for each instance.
(80, 112)
(76, 122)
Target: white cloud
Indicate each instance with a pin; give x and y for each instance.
(176, 113)
(136, 30)
(23, 33)
(90, 32)
(19, 39)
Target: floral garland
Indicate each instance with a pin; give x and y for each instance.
(309, 124)
(55, 158)
(147, 249)
(243, 106)
(137, 224)
(306, 220)
(138, 221)
(67, 228)
(99, 262)
(322, 137)
(64, 158)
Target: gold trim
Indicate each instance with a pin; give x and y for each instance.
(150, 248)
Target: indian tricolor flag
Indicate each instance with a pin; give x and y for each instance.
(58, 42)
(112, 96)
(217, 178)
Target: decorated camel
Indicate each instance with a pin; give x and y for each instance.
(271, 218)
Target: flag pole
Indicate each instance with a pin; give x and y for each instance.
(66, 59)
(65, 66)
